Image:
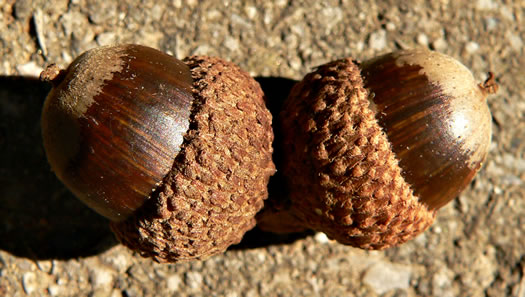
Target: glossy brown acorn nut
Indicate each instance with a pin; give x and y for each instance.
(113, 125)
(176, 153)
(372, 151)
(436, 118)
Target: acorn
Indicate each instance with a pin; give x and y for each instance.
(371, 151)
(177, 154)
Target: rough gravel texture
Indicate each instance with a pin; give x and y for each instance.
(52, 245)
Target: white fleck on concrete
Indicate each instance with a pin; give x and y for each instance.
(29, 282)
(331, 16)
(193, 279)
(472, 47)
(385, 276)
(101, 277)
(29, 69)
(321, 238)
(515, 41)
(173, 282)
(377, 40)
(422, 39)
(486, 4)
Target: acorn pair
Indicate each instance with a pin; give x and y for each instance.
(178, 154)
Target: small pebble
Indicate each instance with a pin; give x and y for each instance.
(330, 17)
(101, 277)
(119, 262)
(422, 39)
(486, 5)
(193, 279)
(55, 290)
(45, 265)
(491, 24)
(383, 277)
(156, 12)
(22, 9)
(106, 38)
(472, 47)
(191, 3)
(103, 11)
(507, 13)
(360, 46)
(231, 43)
(173, 282)
(441, 279)
(131, 292)
(71, 21)
(29, 69)
(295, 63)
(251, 11)
(137, 272)
(513, 162)
(29, 282)
(377, 40)
(321, 238)
(515, 41)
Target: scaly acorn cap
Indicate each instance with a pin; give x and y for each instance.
(334, 149)
(219, 179)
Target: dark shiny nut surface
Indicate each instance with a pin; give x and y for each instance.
(436, 118)
(113, 125)
(372, 151)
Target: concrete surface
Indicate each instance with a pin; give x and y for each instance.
(51, 245)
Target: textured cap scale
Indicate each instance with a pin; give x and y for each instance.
(340, 164)
(177, 154)
(219, 180)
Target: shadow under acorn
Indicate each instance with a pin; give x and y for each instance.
(276, 89)
(39, 218)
